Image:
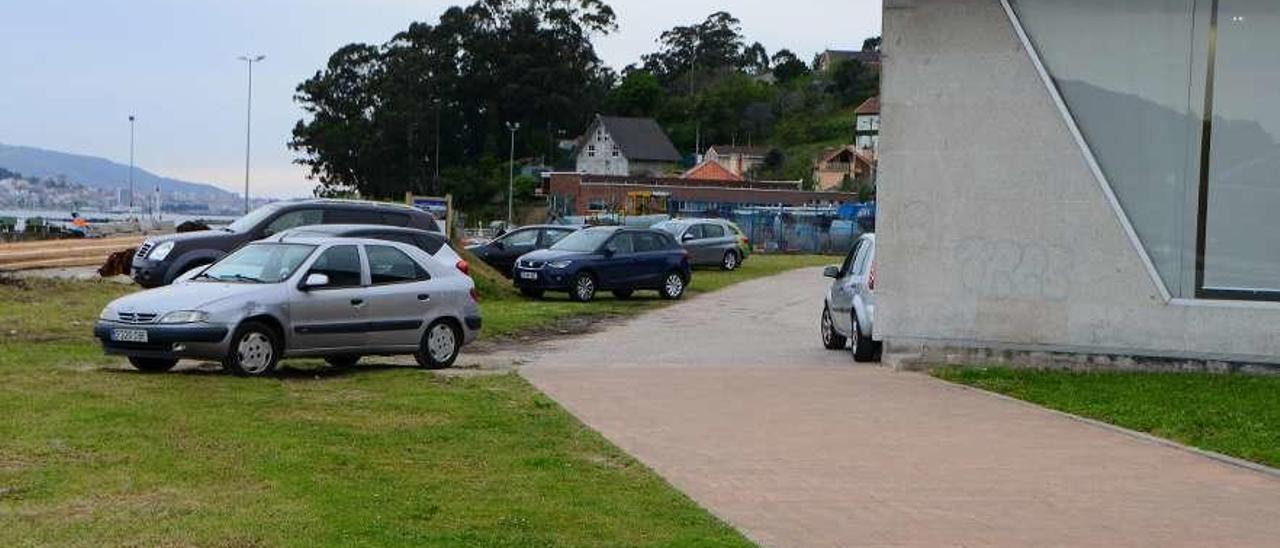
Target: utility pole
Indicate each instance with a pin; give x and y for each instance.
(435, 182)
(511, 179)
(130, 164)
(248, 123)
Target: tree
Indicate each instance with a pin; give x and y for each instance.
(713, 45)
(871, 44)
(755, 59)
(787, 67)
(852, 82)
(639, 94)
(377, 117)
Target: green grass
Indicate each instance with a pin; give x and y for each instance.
(93, 453)
(1228, 413)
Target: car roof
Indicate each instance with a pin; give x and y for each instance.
(345, 202)
(340, 230)
(328, 240)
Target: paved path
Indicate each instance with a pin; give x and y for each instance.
(730, 398)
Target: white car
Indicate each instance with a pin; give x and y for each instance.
(849, 308)
(334, 298)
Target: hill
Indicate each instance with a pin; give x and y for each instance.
(96, 172)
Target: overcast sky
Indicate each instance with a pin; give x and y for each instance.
(71, 71)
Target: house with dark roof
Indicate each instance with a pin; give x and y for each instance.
(614, 145)
(738, 159)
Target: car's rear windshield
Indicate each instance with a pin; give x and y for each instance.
(672, 227)
(583, 240)
(259, 263)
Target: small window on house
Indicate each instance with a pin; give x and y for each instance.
(616, 151)
(596, 205)
(591, 151)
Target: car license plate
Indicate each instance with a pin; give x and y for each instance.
(529, 275)
(129, 335)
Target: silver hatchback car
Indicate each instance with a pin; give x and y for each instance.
(849, 309)
(710, 242)
(334, 298)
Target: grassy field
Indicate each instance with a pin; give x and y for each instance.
(1232, 414)
(93, 453)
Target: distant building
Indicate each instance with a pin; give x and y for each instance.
(614, 145)
(866, 123)
(711, 170)
(828, 59)
(585, 194)
(833, 165)
(739, 160)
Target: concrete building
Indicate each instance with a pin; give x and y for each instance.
(866, 125)
(740, 160)
(586, 194)
(614, 145)
(1088, 177)
(833, 166)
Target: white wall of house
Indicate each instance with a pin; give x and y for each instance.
(600, 155)
(867, 127)
(994, 233)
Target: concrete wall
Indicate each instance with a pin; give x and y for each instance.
(993, 231)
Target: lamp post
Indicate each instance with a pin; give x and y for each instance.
(511, 179)
(130, 164)
(248, 123)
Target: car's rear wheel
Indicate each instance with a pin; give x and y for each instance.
(830, 338)
(531, 292)
(255, 351)
(864, 349)
(623, 294)
(152, 365)
(583, 288)
(440, 345)
(342, 361)
(730, 261)
(673, 286)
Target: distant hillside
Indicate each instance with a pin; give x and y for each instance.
(95, 172)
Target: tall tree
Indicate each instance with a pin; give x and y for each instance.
(788, 67)
(715, 44)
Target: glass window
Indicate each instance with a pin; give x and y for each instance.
(1129, 87)
(552, 235)
(712, 231)
(295, 218)
(260, 263)
(648, 241)
(848, 259)
(622, 244)
(430, 244)
(860, 262)
(388, 265)
(695, 232)
(591, 151)
(341, 264)
(251, 220)
(519, 238)
(394, 219)
(586, 240)
(351, 216)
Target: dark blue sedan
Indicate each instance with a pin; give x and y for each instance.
(617, 259)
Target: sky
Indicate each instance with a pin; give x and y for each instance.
(72, 71)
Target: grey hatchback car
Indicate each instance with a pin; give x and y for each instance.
(710, 242)
(334, 298)
(849, 309)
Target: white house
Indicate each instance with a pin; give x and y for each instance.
(614, 145)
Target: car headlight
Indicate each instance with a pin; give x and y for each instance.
(559, 264)
(158, 253)
(106, 314)
(184, 316)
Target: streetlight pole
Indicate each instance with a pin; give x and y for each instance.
(248, 123)
(511, 179)
(130, 164)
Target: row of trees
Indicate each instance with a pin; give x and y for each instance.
(431, 110)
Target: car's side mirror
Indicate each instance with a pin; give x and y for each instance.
(687, 236)
(315, 280)
(831, 271)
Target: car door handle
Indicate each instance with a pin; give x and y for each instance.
(358, 303)
(424, 297)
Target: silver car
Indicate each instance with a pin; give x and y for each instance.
(710, 242)
(335, 298)
(849, 309)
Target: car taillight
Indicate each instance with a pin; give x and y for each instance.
(475, 295)
(464, 267)
(871, 278)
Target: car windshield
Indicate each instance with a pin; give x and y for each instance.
(672, 227)
(259, 263)
(583, 240)
(251, 219)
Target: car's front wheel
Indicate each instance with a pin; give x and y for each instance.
(583, 288)
(730, 261)
(440, 345)
(152, 365)
(673, 286)
(830, 338)
(255, 351)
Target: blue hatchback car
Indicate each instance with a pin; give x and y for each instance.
(617, 259)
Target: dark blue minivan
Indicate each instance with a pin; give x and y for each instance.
(617, 259)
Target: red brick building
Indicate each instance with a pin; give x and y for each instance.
(584, 194)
